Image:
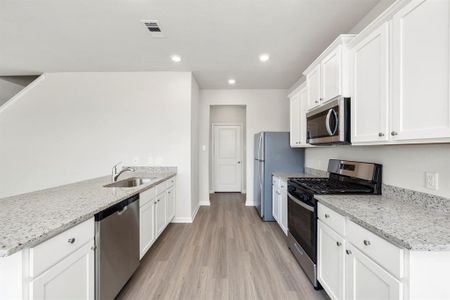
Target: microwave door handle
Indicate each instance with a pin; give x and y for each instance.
(327, 122)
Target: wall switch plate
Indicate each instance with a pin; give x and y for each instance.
(432, 181)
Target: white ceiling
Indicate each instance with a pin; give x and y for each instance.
(217, 39)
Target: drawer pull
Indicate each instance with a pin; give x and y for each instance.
(71, 240)
(338, 244)
(348, 252)
(327, 216)
(366, 242)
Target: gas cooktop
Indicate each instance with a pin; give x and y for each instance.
(330, 186)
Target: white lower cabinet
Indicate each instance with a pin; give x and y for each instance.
(157, 210)
(170, 204)
(71, 278)
(146, 227)
(160, 213)
(279, 201)
(367, 280)
(331, 254)
(353, 264)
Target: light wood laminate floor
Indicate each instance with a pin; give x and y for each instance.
(226, 253)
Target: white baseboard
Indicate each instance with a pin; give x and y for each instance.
(195, 213)
(248, 203)
(182, 220)
(205, 203)
(211, 191)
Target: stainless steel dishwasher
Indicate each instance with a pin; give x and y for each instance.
(117, 242)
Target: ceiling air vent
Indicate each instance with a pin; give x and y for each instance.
(154, 28)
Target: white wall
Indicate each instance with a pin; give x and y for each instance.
(266, 110)
(403, 165)
(75, 126)
(234, 114)
(195, 100)
(11, 85)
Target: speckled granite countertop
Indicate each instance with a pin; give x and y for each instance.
(308, 173)
(29, 219)
(408, 219)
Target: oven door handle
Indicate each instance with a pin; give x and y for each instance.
(302, 204)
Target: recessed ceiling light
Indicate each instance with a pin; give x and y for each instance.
(264, 57)
(175, 58)
(231, 81)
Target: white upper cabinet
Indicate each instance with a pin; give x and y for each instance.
(328, 76)
(370, 94)
(332, 75)
(313, 87)
(420, 106)
(298, 107)
(294, 106)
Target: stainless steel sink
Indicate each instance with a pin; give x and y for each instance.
(130, 182)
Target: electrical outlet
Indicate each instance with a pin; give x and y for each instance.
(432, 181)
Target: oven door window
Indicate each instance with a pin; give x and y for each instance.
(324, 124)
(302, 226)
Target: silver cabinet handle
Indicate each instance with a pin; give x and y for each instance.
(366, 242)
(238, 162)
(71, 240)
(338, 244)
(155, 202)
(394, 133)
(380, 134)
(317, 101)
(348, 252)
(327, 216)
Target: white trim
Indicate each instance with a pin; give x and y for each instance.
(249, 203)
(22, 92)
(212, 142)
(195, 213)
(182, 220)
(205, 203)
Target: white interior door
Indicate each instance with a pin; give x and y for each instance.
(227, 158)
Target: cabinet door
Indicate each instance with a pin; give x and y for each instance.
(420, 104)
(170, 204)
(71, 278)
(295, 120)
(283, 214)
(331, 75)
(160, 213)
(330, 261)
(276, 205)
(313, 86)
(303, 110)
(146, 226)
(370, 95)
(367, 280)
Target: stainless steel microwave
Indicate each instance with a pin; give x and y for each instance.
(329, 123)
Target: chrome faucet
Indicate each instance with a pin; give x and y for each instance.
(115, 174)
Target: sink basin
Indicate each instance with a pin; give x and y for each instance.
(130, 182)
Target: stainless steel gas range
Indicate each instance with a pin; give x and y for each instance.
(345, 177)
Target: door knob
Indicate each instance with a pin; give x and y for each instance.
(380, 134)
(338, 244)
(238, 162)
(348, 252)
(393, 133)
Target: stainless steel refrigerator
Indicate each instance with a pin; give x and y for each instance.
(272, 154)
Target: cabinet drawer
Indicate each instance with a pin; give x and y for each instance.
(331, 218)
(146, 196)
(57, 248)
(381, 251)
(161, 188)
(171, 182)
